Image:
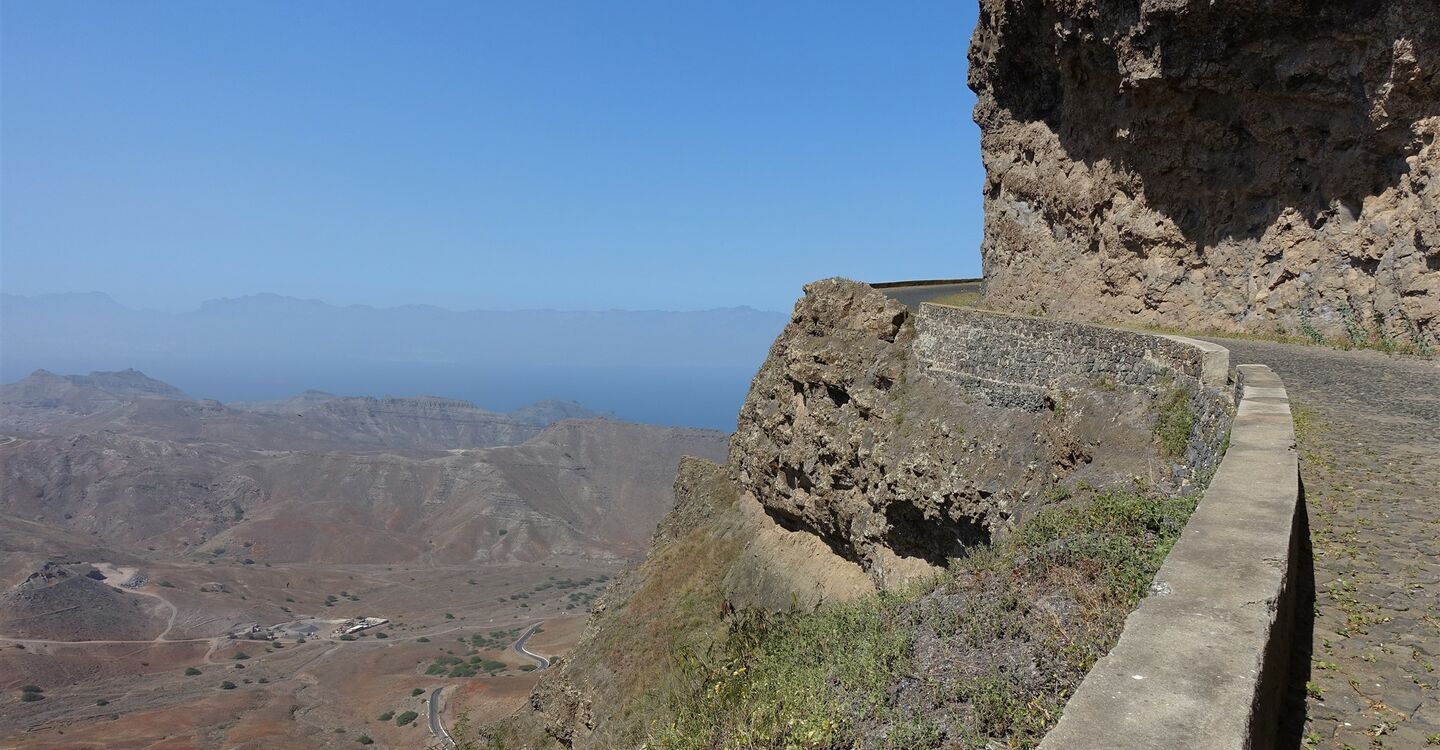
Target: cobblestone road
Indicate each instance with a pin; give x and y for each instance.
(1369, 436)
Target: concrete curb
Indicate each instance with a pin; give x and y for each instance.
(1202, 662)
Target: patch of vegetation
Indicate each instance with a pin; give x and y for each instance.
(31, 693)
(191, 672)
(388, 715)
(416, 691)
(101, 702)
(240, 656)
(167, 584)
(959, 299)
(364, 739)
(1053, 596)
(495, 640)
(1174, 421)
(227, 685)
(454, 666)
(405, 718)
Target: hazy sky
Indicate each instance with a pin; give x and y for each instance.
(676, 155)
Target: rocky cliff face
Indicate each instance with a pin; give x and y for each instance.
(861, 460)
(846, 434)
(1245, 165)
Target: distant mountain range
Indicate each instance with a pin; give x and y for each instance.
(663, 367)
(136, 404)
(126, 461)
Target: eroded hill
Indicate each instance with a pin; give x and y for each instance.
(166, 561)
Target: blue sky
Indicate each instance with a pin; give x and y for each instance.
(576, 155)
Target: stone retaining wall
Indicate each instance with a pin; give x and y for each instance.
(1202, 661)
(1023, 362)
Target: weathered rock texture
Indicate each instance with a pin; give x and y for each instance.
(901, 452)
(874, 445)
(1243, 165)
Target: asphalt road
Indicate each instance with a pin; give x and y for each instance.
(436, 728)
(540, 661)
(912, 295)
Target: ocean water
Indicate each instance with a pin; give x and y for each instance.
(675, 396)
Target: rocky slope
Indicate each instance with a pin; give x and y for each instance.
(130, 403)
(57, 603)
(45, 398)
(714, 552)
(589, 489)
(846, 435)
(854, 468)
(346, 480)
(1248, 165)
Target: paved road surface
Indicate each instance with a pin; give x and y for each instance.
(541, 661)
(1368, 429)
(436, 728)
(911, 296)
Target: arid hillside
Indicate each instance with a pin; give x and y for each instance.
(165, 561)
(898, 552)
(353, 480)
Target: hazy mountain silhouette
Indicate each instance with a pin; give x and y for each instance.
(655, 366)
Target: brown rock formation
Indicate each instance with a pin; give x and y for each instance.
(847, 435)
(1245, 165)
(856, 464)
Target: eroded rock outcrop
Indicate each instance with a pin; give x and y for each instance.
(870, 451)
(851, 434)
(1246, 165)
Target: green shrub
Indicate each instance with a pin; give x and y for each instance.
(364, 739)
(405, 718)
(1174, 422)
(828, 678)
(227, 685)
(388, 715)
(417, 691)
(31, 697)
(191, 671)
